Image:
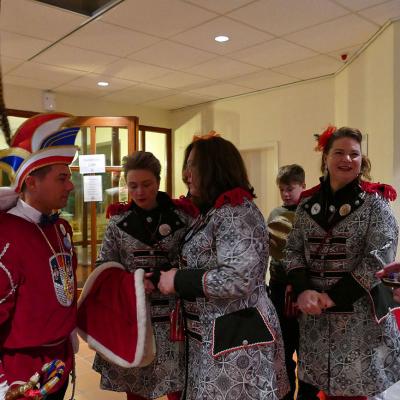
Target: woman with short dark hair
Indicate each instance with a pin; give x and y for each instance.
(145, 233)
(234, 339)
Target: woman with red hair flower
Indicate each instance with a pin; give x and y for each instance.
(344, 232)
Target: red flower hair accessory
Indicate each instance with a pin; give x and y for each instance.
(207, 136)
(323, 138)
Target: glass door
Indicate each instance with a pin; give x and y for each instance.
(115, 137)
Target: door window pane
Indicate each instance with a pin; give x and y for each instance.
(156, 143)
(113, 142)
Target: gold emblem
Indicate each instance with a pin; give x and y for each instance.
(344, 210)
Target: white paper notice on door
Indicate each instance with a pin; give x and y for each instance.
(92, 188)
(92, 164)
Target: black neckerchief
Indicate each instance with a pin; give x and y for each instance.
(328, 208)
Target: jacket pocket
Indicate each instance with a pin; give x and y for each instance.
(239, 330)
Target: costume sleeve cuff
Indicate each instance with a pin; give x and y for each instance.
(299, 280)
(189, 283)
(346, 291)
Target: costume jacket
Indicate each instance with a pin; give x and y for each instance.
(37, 295)
(234, 339)
(150, 240)
(338, 243)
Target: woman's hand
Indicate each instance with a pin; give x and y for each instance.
(325, 301)
(396, 294)
(148, 284)
(309, 302)
(166, 284)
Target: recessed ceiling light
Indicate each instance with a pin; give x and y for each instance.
(221, 38)
(102, 83)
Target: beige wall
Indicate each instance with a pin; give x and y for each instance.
(284, 118)
(31, 99)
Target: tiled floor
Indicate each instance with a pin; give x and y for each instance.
(87, 382)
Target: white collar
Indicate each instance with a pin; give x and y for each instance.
(25, 211)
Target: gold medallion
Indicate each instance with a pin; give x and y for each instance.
(344, 210)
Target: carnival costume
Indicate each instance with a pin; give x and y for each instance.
(338, 243)
(234, 339)
(144, 240)
(37, 261)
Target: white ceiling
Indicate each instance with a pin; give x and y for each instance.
(162, 53)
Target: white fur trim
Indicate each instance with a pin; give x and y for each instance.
(3, 390)
(74, 340)
(143, 319)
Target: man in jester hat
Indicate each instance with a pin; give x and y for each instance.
(37, 260)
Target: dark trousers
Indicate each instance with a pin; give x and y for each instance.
(290, 335)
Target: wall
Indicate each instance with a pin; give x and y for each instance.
(284, 118)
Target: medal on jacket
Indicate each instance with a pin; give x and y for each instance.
(344, 210)
(315, 209)
(176, 327)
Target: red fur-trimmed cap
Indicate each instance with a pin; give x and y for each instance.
(234, 197)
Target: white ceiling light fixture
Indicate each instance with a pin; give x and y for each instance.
(221, 38)
(102, 83)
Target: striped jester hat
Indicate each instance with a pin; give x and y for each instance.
(42, 140)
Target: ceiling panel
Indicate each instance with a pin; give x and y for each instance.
(240, 34)
(21, 46)
(172, 55)
(310, 68)
(140, 94)
(222, 68)
(57, 75)
(89, 81)
(159, 18)
(356, 5)
(29, 82)
(9, 63)
(330, 36)
(221, 90)
(263, 80)
(34, 19)
(179, 101)
(180, 80)
(273, 53)
(280, 17)
(74, 58)
(132, 70)
(220, 6)
(381, 13)
(108, 38)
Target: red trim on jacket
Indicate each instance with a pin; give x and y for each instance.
(234, 197)
(187, 206)
(386, 191)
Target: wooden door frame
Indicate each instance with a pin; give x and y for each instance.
(168, 132)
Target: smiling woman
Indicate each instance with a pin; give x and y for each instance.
(345, 232)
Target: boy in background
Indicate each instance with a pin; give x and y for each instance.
(291, 182)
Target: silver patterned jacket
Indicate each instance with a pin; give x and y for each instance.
(234, 338)
(137, 239)
(352, 349)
